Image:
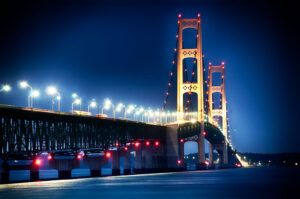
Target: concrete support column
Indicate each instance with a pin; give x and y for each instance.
(4, 173)
(201, 149)
(127, 167)
(64, 167)
(138, 162)
(181, 149)
(148, 163)
(95, 163)
(225, 154)
(210, 153)
(34, 172)
(115, 163)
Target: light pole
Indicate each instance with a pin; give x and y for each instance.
(93, 104)
(119, 108)
(51, 90)
(24, 85)
(107, 105)
(5, 88)
(77, 101)
(34, 94)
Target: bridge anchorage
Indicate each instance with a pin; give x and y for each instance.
(32, 139)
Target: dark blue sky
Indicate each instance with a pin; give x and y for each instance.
(124, 51)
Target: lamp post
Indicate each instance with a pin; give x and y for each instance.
(77, 101)
(51, 90)
(24, 85)
(119, 108)
(34, 94)
(93, 104)
(107, 105)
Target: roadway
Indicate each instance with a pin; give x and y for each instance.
(258, 183)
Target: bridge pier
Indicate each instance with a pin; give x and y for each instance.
(64, 167)
(116, 162)
(95, 163)
(34, 172)
(127, 168)
(201, 149)
(138, 162)
(4, 173)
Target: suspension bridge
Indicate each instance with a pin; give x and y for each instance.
(68, 138)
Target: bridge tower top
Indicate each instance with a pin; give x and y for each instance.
(196, 53)
(222, 110)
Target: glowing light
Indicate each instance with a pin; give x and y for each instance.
(77, 101)
(206, 162)
(58, 97)
(198, 15)
(107, 102)
(49, 157)
(74, 95)
(24, 84)
(178, 161)
(157, 113)
(35, 93)
(93, 104)
(37, 162)
(137, 144)
(179, 15)
(204, 133)
(223, 63)
(147, 143)
(6, 88)
(244, 163)
(181, 140)
(79, 156)
(156, 143)
(193, 120)
(125, 148)
(51, 90)
(108, 154)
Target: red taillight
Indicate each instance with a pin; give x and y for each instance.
(37, 162)
(79, 156)
(206, 162)
(137, 144)
(178, 161)
(147, 143)
(156, 143)
(125, 148)
(204, 133)
(108, 154)
(50, 157)
(181, 140)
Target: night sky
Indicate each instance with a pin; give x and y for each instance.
(123, 51)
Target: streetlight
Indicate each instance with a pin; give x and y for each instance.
(93, 104)
(51, 90)
(24, 84)
(130, 109)
(5, 88)
(77, 101)
(34, 94)
(119, 108)
(107, 104)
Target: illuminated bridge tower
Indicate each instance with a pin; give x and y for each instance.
(215, 113)
(191, 87)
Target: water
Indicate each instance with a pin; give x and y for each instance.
(256, 183)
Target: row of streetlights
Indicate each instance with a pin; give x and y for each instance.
(145, 114)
